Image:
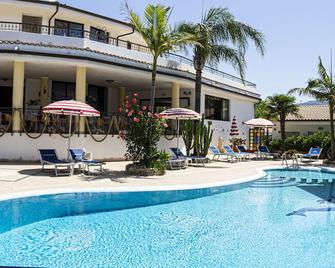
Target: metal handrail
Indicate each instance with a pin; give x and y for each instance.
(105, 38)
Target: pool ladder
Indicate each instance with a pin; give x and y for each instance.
(295, 162)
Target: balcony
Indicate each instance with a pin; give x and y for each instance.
(104, 44)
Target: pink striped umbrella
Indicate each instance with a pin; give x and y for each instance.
(180, 114)
(70, 108)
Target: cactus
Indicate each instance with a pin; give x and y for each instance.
(187, 131)
(202, 138)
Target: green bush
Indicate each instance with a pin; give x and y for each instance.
(302, 144)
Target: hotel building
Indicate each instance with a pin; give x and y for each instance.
(50, 51)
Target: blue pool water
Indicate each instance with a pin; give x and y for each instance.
(272, 222)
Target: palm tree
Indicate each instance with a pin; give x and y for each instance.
(158, 36)
(280, 106)
(262, 111)
(221, 38)
(323, 89)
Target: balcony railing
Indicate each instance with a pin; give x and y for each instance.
(105, 38)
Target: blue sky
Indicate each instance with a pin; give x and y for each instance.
(296, 32)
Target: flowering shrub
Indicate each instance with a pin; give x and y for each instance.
(142, 132)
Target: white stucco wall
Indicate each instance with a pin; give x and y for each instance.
(21, 147)
(241, 107)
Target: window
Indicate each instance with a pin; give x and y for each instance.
(99, 35)
(31, 24)
(216, 108)
(68, 28)
(97, 97)
(63, 91)
(162, 104)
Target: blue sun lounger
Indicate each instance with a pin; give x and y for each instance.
(243, 151)
(231, 152)
(217, 154)
(197, 159)
(313, 152)
(78, 157)
(49, 157)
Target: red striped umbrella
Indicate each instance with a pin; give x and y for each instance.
(234, 129)
(180, 114)
(70, 108)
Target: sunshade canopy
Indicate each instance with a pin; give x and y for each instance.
(259, 122)
(180, 113)
(70, 107)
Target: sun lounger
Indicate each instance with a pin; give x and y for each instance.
(177, 163)
(313, 153)
(264, 152)
(217, 154)
(231, 152)
(78, 157)
(49, 157)
(242, 150)
(191, 159)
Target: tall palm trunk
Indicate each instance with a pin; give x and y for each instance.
(153, 84)
(199, 64)
(282, 132)
(332, 145)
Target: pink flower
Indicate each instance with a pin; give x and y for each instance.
(149, 114)
(130, 114)
(136, 119)
(156, 115)
(140, 113)
(135, 94)
(165, 125)
(133, 100)
(127, 105)
(144, 107)
(126, 110)
(126, 98)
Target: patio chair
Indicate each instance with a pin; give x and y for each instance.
(216, 153)
(313, 152)
(242, 150)
(78, 157)
(264, 152)
(49, 157)
(177, 163)
(180, 155)
(230, 151)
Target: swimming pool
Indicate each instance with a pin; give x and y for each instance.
(271, 222)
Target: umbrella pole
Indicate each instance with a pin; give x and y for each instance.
(69, 139)
(177, 138)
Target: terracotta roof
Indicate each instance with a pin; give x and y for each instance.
(311, 113)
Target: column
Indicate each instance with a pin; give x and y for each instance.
(81, 92)
(175, 92)
(122, 95)
(44, 91)
(18, 94)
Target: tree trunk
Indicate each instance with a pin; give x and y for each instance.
(198, 77)
(331, 114)
(153, 84)
(282, 133)
(199, 64)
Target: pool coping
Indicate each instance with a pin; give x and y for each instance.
(260, 173)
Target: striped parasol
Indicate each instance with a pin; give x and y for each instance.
(70, 107)
(180, 114)
(233, 128)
